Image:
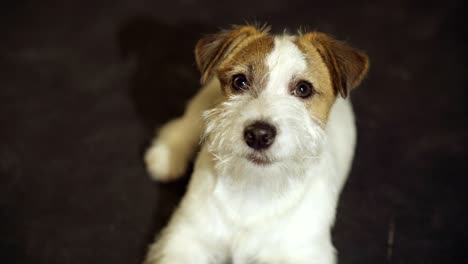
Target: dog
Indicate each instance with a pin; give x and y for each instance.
(276, 136)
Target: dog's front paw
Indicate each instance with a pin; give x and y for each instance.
(164, 163)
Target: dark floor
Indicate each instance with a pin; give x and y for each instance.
(83, 84)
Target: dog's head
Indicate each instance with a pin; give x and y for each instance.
(278, 92)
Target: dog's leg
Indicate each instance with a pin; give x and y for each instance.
(169, 154)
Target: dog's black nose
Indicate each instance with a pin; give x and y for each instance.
(259, 135)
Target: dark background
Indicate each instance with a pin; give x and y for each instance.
(84, 83)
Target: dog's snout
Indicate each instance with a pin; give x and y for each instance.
(259, 135)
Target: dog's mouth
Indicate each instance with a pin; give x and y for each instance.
(259, 159)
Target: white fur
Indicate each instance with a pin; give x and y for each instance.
(240, 212)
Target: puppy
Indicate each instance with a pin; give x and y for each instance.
(277, 141)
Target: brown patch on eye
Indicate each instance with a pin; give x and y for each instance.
(213, 49)
(248, 59)
(317, 73)
(347, 65)
(338, 67)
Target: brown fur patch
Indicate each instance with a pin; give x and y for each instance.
(213, 49)
(320, 103)
(337, 67)
(347, 65)
(248, 59)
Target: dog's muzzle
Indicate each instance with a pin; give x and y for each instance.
(259, 135)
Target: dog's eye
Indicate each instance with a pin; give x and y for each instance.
(239, 82)
(303, 89)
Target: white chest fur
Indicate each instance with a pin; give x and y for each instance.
(263, 218)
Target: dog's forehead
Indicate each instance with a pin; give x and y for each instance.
(249, 56)
(273, 64)
(284, 62)
(270, 51)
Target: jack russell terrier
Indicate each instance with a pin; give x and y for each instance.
(277, 141)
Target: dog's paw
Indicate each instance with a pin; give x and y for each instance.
(163, 163)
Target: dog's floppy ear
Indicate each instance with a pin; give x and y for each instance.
(212, 49)
(347, 65)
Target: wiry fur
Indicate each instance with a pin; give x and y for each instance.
(236, 210)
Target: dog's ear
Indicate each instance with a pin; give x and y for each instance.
(347, 65)
(212, 49)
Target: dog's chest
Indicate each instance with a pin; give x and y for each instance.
(250, 222)
(271, 237)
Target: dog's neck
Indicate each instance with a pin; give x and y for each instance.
(253, 192)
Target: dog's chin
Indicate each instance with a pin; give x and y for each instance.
(259, 159)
